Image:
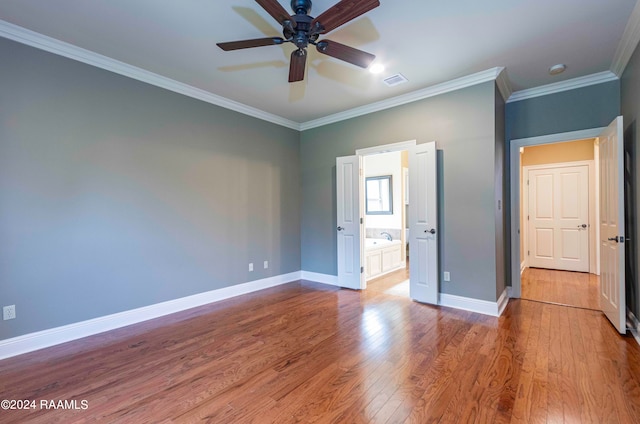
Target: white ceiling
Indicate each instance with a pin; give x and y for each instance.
(428, 41)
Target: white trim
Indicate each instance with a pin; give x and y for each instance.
(515, 189)
(503, 300)
(331, 280)
(567, 85)
(628, 42)
(386, 148)
(523, 266)
(435, 90)
(46, 338)
(449, 300)
(504, 85)
(484, 307)
(42, 42)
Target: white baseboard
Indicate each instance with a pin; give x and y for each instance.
(503, 300)
(523, 265)
(46, 338)
(331, 280)
(484, 307)
(466, 303)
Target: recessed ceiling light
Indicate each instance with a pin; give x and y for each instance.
(557, 69)
(376, 68)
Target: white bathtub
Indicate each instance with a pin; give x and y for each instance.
(381, 256)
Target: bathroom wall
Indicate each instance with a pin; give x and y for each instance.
(380, 165)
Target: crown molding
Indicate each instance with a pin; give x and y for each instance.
(628, 43)
(61, 48)
(445, 87)
(567, 85)
(504, 85)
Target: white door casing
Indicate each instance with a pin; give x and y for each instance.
(612, 230)
(348, 205)
(558, 217)
(423, 219)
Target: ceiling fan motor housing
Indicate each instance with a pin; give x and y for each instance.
(300, 35)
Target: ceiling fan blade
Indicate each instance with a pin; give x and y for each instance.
(346, 53)
(342, 12)
(247, 44)
(276, 10)
(298, 63)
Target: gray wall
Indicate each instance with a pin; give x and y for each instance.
(115, 194)
(588, 107)
(583, 108)
(630, 95)
(462, 123)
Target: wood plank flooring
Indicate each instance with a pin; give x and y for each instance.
(578, 289)
(306, 352)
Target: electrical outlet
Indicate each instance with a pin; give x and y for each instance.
(251, 267)
(266, 264)
(447, 276)
(9, 312)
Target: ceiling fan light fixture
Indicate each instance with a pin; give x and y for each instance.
(557, 69)
(376, 68)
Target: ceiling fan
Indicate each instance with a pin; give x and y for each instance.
(302, 30)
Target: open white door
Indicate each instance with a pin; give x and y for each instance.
(612, 282)
(423, 219)
(350, 273)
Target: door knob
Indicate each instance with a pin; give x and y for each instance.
(582, 226)
(432, 231)
(613, 239)
(340, 228)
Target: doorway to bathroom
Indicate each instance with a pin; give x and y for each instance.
(421, 214)
(386, 201)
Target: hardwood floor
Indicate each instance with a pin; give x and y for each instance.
(395, 283)
(305, 352)
(577, 289)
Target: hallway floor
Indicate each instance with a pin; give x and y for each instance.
(578, 289)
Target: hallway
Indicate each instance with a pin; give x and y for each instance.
(577, 289)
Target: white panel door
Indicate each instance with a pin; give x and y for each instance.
(350, 248)
(423, 219)
(559, 218)
(612, 278)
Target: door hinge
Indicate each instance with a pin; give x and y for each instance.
(361, 221)
(528, 252)
(527, 182)
(361, 270)
(527, 217)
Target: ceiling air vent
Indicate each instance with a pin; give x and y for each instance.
(394, 80)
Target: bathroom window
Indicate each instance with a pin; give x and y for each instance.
(379, 195)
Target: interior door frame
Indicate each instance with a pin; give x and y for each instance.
(385, 148)
(514, 163)
(593, 222)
